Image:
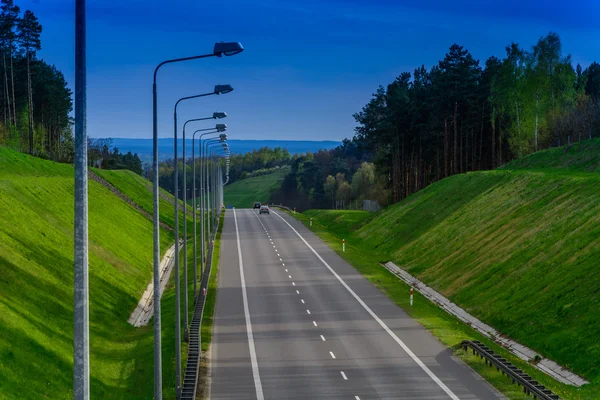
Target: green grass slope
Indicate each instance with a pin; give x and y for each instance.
(243, 193)
(582, 156)
(139, 189)
(517, 247)
(36, 287)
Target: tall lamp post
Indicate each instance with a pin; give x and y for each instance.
(220, 49)
(205, 237)
(208, 176)
(219, 89)
(215, 152)
(81, 322)
(218, 129)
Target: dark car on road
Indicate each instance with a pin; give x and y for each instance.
(256, 205)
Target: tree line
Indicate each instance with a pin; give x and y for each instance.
(35, 101)
(102, 154)
(454, 117)
(459, 116)
(257, 162)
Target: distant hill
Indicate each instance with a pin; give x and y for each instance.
(143, 147)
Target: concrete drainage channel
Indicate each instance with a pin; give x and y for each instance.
(526, 354)
(190, 378)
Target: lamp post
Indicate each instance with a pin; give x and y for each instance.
(216, 167)
(220, 49)
(81, 316)
(219, 128)
(203, 196)
(208, 177)
(219, 89)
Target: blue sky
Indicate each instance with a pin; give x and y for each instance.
(308, 65)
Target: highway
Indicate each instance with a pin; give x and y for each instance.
(293, 320)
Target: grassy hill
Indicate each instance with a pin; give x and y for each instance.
(243, 193)
(36, 285)
(518, 247)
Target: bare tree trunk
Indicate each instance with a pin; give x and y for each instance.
(461, 166)
(499, 145)
(455, 169)
(437, 170)
(6, 90)
(12, 79)
(494, 138)
(535, 134)
(445, 148)
(30, 106)
(5, 98)
(518, 120)
(481, 138)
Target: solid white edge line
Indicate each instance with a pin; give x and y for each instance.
(344, 375)
(412, 355)
(255, 373)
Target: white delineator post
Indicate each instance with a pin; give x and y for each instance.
(311, 222)
(343, 245)
(411, 296)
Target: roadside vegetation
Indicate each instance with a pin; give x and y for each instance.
(243, 193)
(36, 286)
(516, 247)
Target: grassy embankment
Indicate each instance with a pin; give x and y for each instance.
(36, 284)
(243, 193)
(517, 247)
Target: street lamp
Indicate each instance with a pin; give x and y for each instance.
(219, 89)
(211, 131)
(207, 143)
(217, 175)
(220, 49)
(217, 129)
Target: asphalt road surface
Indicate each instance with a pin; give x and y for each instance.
(293, 320)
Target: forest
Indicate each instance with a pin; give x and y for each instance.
(460, 115)
(35, 101)
(454, 117)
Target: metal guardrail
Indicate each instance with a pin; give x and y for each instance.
(281, 206)
(190, 378)
(530, 386)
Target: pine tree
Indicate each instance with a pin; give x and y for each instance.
(9, 14)
(29, 30)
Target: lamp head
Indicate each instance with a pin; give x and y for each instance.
(223, 136)
(221, 128)
(223, 89)
(219, 115)
(227, 48)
